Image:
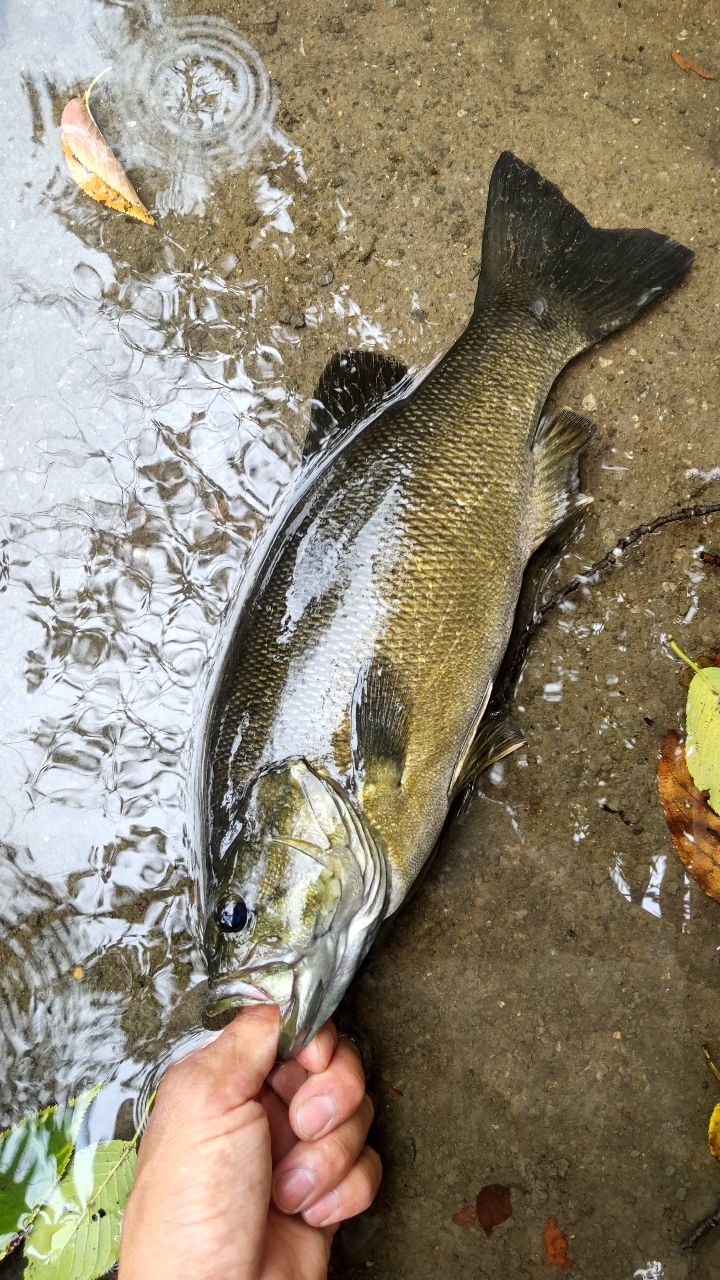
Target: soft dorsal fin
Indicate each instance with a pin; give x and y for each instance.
(379, 724)
(352, 385)
(559, 442)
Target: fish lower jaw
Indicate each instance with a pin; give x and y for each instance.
(238, 992)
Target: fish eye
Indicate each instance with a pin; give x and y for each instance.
(233, 916)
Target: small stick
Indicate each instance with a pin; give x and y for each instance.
(700, 1229)
(710, 1062)
(611, 557)
(522, 637)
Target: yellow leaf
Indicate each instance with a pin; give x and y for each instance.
(702, 718)
(93, 165)
(714, 1132)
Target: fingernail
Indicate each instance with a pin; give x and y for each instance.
(325, 1209)
(315, 1115)
(293, 1188)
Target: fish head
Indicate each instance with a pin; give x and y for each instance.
(300, 893)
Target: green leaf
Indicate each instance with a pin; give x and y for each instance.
(33, 1156)
(76, 1235)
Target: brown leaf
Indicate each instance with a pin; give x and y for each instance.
(694, 828)
(493, 1206)
(93, 165)
(392, 1091)
(464, 1217)
(556, 1246)
(686, 64)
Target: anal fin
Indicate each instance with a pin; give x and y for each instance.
(560, 440)
(496, 738)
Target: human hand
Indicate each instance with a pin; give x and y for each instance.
(247, 1166)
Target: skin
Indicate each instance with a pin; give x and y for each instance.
(247, 1166)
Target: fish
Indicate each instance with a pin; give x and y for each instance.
(349, 710)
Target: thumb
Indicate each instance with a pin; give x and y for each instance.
(230, 1070)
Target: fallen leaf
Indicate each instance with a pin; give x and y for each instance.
(702, 718)
(392, 1091)
(714, 1132)
(93, 165)
(33, 1157)
(76, 1234)
(694, 828)
(493, 1206)
(556, 1246)
(464, 1217)
(686, 64)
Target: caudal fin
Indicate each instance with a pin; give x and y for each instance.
(540, 252)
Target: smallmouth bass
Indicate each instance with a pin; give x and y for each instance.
(349, 710)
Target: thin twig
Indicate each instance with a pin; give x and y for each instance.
(529, 615)
(700, 1229)
(612, 557)
(710, 1062)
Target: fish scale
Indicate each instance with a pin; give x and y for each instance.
(349, 710)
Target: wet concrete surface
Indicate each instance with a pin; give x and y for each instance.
(542, 1003)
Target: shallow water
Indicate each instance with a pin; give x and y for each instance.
(318, 180)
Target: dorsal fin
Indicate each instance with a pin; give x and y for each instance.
(352, 385)
(561, 438)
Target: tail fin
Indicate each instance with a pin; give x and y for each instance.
(540, 252)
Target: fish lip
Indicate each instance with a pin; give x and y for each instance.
(237, 990)
(235, 993)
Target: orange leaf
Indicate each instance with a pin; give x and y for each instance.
(93, 165)
(694, 827)
(556, 1246)
(465, 1216)
(686, 64)
(493, 1206)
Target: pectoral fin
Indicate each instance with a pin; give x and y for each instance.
(352, 386)
(560, 440)
(496, 738)
(379, 725)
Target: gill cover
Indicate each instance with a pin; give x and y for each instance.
(300, 895)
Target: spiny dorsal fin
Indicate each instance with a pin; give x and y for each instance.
(496, 738)
(379, 724)
(559, 441)
(352, 385)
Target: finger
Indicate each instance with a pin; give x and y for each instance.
(286, 1078)
(327, 1099)
(282, 1138)
(353, 1195)
(317, 1054)
(224, 1074)
(313, 1168)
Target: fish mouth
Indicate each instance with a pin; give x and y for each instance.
(271, 984)
(295, 989)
